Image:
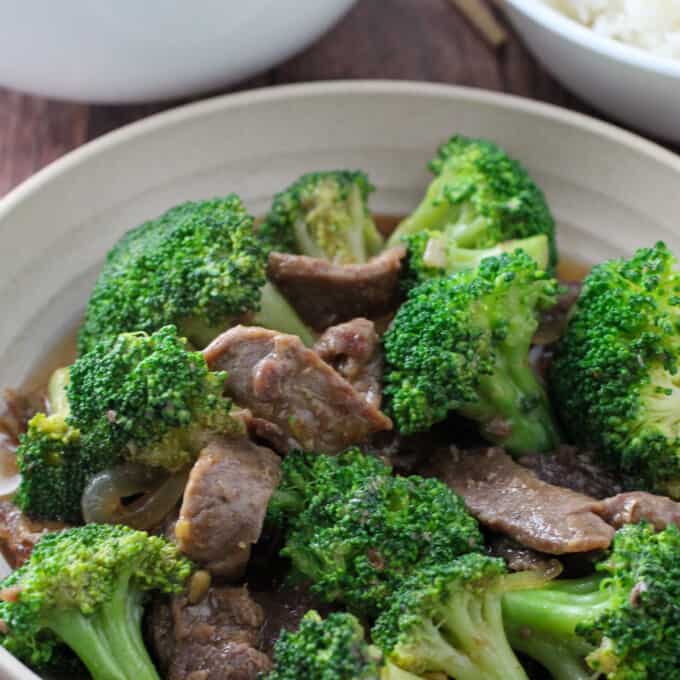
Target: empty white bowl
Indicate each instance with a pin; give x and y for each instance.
(610, 190)
(630, 84)
(142, 50)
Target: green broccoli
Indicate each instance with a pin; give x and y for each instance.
(461, 343)
(85, 588)
(480, 197)
(615, 376)
(54, 468)
(362, 531)
(325, 649)
(447, 618)
(199, 266)
(324, 215)
(623, 622)
(144, 399)
(431, 254)
(330, 649)
(305, 474)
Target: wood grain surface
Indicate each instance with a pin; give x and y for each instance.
(397, 39)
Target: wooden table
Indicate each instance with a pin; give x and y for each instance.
(398, 39)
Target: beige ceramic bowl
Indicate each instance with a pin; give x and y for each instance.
(610, 190)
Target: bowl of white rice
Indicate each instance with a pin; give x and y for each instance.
(622, 56)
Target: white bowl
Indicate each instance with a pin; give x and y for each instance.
(610, 190)
(142, 50)
(630, 84)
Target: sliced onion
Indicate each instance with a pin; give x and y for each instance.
(534, 578)
(103, 498)
(435, 253)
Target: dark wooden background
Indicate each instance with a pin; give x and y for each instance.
(398, 39)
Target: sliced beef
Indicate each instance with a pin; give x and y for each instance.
(575, 469)
(325, 294)
(519, 557)
(215, 639)
(283, 610)
(508, 498)
(638, 506)
(225, 502)
(353, 349)
(278, 379)
(19, 533)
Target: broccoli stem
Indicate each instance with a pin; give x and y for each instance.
(277, 313)
(475, 623)
(513, 408)
(542, 624)
(113, 633)
(434, 213)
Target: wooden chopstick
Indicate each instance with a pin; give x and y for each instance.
(483, 20)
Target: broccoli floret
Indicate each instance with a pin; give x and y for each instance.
(615, 376)
(325, 215)
(54, 468)
(622, 622)
(360, 533)
(85, 588)
(325, 649)
(461, 343)
(432, 254)
(447, 618)
(199, 266)
(143, 398)
(480, 197)
(305, 474)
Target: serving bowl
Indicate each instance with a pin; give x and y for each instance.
(610, 190)
(630, 84)
(131, 51)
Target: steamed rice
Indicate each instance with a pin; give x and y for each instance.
(653, 25)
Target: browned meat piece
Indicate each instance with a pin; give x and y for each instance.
(225, 502)
(510, 499)
(519, 557)
(353, 349)
(325, 294)
(263, 432)
(577, 470)
(277, 378)
(283, 610)
(19, 533)
(639, 506)
(215, 639)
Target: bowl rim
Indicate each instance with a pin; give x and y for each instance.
(173, 116)
(570, 29)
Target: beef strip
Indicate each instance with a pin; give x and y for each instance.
(278, 379)
(325, 294)
(224, 505)
(638, 506)
(215, 639)
(510, 499)
(519, 557)
(19, 533)
(283, 610)
(353, 349)
(575, 469)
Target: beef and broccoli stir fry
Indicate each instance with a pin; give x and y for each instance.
(302, 448)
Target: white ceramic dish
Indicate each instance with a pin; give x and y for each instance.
(610, 190)
(154, 49)
(630, 84)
